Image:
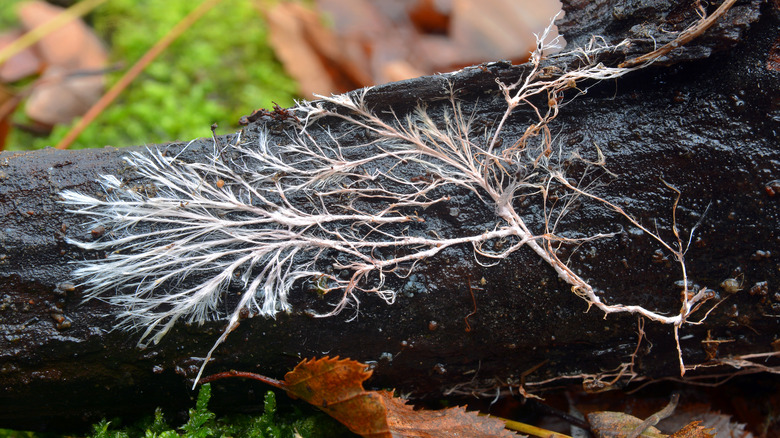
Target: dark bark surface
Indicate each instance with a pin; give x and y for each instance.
(707, 121)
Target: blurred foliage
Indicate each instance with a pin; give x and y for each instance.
(8, 17)
(218, 70)
(7, 433)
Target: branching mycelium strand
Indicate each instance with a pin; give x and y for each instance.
(266, 216)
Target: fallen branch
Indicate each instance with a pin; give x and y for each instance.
(377, 197)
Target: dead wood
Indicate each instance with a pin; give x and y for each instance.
(704, 120)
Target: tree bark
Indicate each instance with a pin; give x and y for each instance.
(705, 120)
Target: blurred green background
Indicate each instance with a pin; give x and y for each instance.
(220, 69)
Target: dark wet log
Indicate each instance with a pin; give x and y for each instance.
(707, 122)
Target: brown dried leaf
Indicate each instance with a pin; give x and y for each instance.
(692, 430)
(369, 42)
(336, 386)
(431, 16)
(720, 425)
(72, 46)
(498, 29)
(311, 53)
(62, 93)
(8, 102)
(23, 64)
(403, 420)
(607, 424)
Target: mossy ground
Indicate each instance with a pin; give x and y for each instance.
(220, 69)
(299, 420)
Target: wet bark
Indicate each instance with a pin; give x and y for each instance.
(705, 120)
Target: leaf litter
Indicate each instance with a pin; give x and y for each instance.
(341, 45)
(335, 386)
(69, 61)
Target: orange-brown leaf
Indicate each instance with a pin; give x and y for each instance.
(336, 386)
(406, 422)
(692, 430)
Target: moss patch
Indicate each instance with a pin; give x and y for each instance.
(300, 420)
(203, 423)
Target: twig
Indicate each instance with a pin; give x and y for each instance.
(474, 301)
(531, 430)
(247, 375)
(655, 418)
(684, 38)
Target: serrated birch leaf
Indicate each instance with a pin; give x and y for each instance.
(336, 386)
(404, 421)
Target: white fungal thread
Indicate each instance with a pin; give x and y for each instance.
(268, 216)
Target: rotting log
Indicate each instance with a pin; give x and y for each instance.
(704, 120)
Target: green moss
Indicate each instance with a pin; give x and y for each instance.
(220, 69)
(300, 419)
(8, 20)
(203, 423)
(7, 433)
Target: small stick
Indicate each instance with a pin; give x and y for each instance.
(233, 373)
(473, 300)
(684, 38)
(655, 418)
